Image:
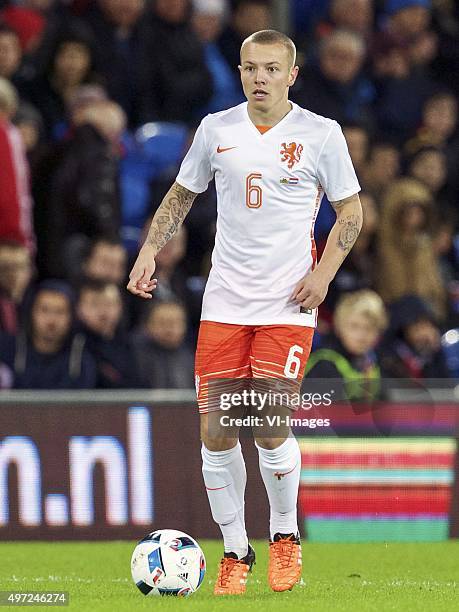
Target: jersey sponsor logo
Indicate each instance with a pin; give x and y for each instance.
(289, 180)
(291, 153)
(304, 310)
(223, 149)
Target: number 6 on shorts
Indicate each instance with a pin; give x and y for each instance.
(293, 363)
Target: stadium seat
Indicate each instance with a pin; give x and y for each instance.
(162, 144)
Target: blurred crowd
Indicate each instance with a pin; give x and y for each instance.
(98, 103)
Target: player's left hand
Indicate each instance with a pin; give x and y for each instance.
(311, 290)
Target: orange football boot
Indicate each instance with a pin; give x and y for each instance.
(232, 573)
(284, 569)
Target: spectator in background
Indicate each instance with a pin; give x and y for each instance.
(83, 198)
(412, 348)
(439, 129)
(70, 64)
(446, 22)
(248, 16)
(100, 312)
(30, 125)
(15, 196)
(406, 260)
(439, 122)
(406, 20)
(352, 15)
(390, 58)
(105, 260)
(358, 270)
(82, 98)
(10, 54)
(335, 88)
(48, 159)
(402, 86)
(207, 21)
(358, 143)
(100, 259)
(75, 114)
(173, 282)
(429, 166)
(47, 355)
(27, 21)
(177, 82)
(444, 242)
(120, 35)
(170, 275)
(410, 21)
(349, 354)
(15, 275)
(165, 361)
(382, 168)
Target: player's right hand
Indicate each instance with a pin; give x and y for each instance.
(140, 281)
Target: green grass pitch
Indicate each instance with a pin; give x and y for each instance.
(350, 577)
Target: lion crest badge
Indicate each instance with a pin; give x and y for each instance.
(291, 153)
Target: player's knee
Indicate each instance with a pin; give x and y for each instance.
(217, 444)
(269, 443)
(214, 437)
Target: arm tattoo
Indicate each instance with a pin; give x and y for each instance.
(349, 229)
(170, 215)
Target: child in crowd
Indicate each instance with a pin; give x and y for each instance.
(349, 353)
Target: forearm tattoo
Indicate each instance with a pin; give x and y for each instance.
(349, 228)
(170, 215)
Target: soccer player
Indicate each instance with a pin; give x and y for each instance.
(271, 161)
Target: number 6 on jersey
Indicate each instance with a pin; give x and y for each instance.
(293, 363)
(253, 193)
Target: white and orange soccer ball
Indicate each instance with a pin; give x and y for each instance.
(168, 562)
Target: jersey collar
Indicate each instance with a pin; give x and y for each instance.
(278, 125)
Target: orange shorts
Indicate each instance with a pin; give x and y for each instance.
(227, 351)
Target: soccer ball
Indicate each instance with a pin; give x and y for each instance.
(168, 562)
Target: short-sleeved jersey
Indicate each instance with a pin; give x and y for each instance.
(269, 189)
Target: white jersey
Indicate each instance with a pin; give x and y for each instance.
(269, 189)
